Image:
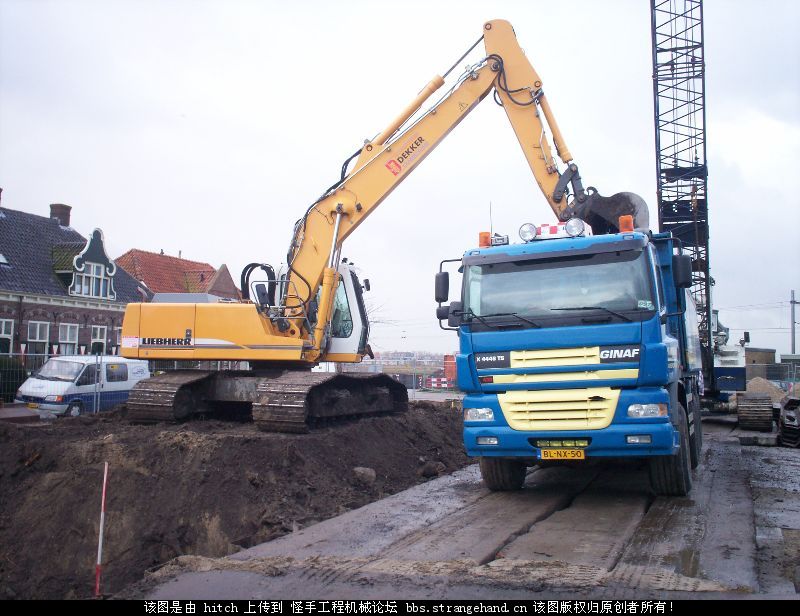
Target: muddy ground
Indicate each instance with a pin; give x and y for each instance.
(585, 531)
(204, 488)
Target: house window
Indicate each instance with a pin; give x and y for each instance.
(38, 337)
(68, 339)
(118, 338)
(6, 336)
(98, 339)
(92, 282)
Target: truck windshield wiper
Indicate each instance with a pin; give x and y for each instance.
(603, 308)
(472, 315)
(516, 316)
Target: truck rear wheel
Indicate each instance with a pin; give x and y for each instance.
(501, 474)
(670, 475)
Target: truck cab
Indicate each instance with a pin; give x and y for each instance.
(574, 346)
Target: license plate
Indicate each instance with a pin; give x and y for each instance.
(33, 405)
(563, 454)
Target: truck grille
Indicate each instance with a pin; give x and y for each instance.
(551, 377)
(555, 357)
(559, 409)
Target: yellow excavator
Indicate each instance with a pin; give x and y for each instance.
(311, 310)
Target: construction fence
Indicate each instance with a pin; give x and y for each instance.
(786, 376)
(414, 372)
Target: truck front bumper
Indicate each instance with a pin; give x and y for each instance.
(611, 441)
(608, 442)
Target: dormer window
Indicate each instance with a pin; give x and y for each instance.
(92, 271)
(93, 282)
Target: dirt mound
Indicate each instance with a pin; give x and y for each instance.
(206, 488)
(763, 386)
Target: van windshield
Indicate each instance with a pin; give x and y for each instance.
(60, 370)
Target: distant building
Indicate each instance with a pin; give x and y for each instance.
(60, 294)
(761, 363)
(167, 274)
(753, 355)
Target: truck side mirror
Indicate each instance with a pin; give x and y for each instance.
(454, 314)
(442, 286)
(682, 271)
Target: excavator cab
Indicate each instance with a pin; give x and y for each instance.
(349, 330)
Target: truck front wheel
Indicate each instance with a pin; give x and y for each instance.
(500, 474)
(671, 475)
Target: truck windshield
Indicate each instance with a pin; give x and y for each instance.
(602, 287)
(59, 370)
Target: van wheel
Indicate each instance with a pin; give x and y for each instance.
(670, 475)
(500, 474)
(74, 409)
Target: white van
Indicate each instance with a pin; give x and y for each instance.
(72, 384)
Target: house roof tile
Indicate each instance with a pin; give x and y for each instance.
(36, 247)
(168, 274)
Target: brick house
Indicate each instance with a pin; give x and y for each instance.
(162, 273)
(60, 294)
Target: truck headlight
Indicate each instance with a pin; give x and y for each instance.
(574, 227)
(53, 398)
(527, 232)
(480, 414)
(647, 410)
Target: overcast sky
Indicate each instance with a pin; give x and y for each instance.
(208, 127)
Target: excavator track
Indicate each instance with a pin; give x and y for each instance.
(754, 411)
(168, 397)
(294, 401)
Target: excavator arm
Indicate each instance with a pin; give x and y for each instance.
(388, 159)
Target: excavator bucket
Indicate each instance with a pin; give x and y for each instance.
(602, 213)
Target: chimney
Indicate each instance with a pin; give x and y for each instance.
(60, 212)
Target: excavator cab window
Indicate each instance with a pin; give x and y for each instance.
(342, 320)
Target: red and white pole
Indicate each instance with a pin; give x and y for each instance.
(100, 542)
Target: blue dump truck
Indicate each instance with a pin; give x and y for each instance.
(574, 346)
